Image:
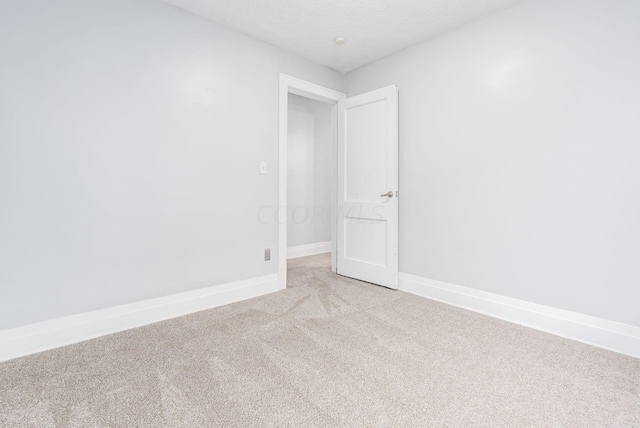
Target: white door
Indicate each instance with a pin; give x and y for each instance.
(367, 209)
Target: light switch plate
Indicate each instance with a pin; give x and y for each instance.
(263, 167)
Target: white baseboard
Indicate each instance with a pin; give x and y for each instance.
(308, 250)
(599, 332)
(46, 335)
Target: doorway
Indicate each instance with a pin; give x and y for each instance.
(302, 94)
(309, 141)
(363, 178)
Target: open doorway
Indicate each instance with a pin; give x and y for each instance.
(363, 179)
(309, 138)
(306, 172)
(309, 169)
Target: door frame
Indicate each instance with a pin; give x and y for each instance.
(293, 85)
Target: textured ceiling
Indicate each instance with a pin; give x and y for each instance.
(372, 28)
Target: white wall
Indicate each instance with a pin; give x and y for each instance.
(130, 138)
(519, 154)
(309, 171)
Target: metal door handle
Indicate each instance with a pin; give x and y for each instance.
(389, 194)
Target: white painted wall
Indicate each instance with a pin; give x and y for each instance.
(130, 138)
(519, 154)
(309, 171)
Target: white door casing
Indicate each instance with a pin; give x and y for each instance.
(367, 206)
(293, 85)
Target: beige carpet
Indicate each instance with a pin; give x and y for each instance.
(328, 351)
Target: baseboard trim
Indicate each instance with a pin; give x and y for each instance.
(308, 250)
(611, 335)
(42, 336)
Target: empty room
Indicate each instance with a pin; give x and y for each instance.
(294, 213)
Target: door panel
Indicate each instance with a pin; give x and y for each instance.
(365, 147)
(374, 232)
(367, 235)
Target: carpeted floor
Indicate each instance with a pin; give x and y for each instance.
(328, 351)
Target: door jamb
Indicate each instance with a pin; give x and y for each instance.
(293, 85)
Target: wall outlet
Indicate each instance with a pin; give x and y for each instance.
(267, 254)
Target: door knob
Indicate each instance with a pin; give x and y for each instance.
(389, 194)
